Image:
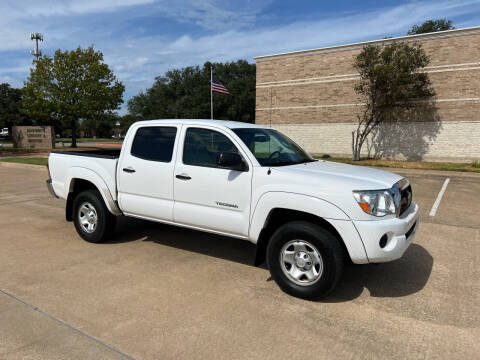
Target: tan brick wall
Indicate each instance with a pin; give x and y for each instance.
(446, 141)
(315, 87)
(459, 47)
(466, 110)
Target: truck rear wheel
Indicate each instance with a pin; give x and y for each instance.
(305, 260)
(93, 221)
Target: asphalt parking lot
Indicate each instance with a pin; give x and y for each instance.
(160, 292)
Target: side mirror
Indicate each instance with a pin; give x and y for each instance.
(231, 161)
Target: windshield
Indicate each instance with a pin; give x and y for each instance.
(272, 148)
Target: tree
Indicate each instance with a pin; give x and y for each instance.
(72, 85)
(392, 88)
(185, 93)
(10, 104)
(431, 26)
(100, 126)
(126, 121)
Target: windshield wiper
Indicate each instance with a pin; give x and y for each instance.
(304, 161)
(286, 163)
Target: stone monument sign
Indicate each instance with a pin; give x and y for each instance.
(33, 137)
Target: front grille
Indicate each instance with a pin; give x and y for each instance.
(405, 199)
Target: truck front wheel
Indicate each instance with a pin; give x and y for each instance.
(93, 221)
(305, 260)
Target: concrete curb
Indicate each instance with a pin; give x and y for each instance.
(426, 172)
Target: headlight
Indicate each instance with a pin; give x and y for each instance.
(379, 202)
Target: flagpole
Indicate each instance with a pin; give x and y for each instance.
(211, 93)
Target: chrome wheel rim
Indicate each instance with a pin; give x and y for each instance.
(301, 262)
(87, 216)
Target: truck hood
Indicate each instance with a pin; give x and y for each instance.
(328, 181)
(325, 174)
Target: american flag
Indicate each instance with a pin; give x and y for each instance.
(218, 87)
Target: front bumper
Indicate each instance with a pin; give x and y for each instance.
(50, 188)
(399, 231)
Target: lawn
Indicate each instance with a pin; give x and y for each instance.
(26, 160)
(14, 150)
(425, 165)
(81, 140)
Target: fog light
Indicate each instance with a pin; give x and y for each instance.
(383, 241)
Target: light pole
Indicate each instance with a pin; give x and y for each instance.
(117, 124)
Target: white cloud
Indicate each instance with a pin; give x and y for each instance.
(49, 8)
(215, 14)
(16, 83)
(234, 44)
(233, 31)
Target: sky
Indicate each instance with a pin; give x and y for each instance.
(142, 39)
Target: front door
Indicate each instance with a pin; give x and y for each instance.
(207, 196)
(145, 174)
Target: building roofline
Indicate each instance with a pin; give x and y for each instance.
(426, 36)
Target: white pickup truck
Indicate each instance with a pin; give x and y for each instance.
(306, 216)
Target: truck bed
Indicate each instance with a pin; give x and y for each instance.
(100, 153)
(97, 166)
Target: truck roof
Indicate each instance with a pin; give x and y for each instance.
(222, 123)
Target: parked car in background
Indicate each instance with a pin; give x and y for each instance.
(4, 133)
(306, 216)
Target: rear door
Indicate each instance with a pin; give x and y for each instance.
(207, 196)
(145, 174)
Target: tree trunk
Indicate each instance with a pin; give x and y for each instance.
(356, 145)
(74, 133)
(353, 145)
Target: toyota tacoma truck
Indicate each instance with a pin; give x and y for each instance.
(307, 217)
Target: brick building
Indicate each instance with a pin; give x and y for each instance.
(309, 96)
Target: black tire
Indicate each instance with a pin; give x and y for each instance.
(325, 243)
(105, 223)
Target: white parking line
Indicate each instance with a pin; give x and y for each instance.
(439, 197)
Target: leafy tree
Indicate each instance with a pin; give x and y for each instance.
(126, 121)
(392, 87)
(431, 26)
(72, 85)
(185, 93)
(10, 104)
(101, 125)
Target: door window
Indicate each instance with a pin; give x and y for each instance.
(154, 143)
(202, 147)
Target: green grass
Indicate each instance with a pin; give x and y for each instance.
(82, 140)
(26, 160)
(13, 150)
(425, 165)
(68, 148)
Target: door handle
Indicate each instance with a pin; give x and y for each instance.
(129, 169)
(183, 177)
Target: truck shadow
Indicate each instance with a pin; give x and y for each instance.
(231, 249)
(403, 277)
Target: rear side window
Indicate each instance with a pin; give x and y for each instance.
(154, 143)
(202, 147)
